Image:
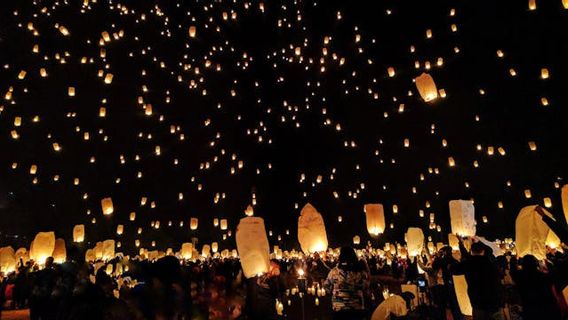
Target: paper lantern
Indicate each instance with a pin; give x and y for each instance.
(23, 255)
(42, 247)
(214, 247)
(531, 233)
(79, 233)
(107, 206)
(565, 5)
(132, 216)
(311, 230)
(460, 286)
(7, 260)
(426, 87)
(394, 306)
(453, 241)
(224, 224)
(59, 251)
(414, 241)
(249, 212)
(90, 255)
(108, 249)
(462, 216)
(206, 250)
(192, 31)
(532, 5)
(193, 222)
(252, 246)
(356, 240)
(119, 229)
(375, 216)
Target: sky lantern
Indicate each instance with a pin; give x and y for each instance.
(311, 230)
(415, 241)
(192, 31)
(59, 251)
(375, 217)
(531, 233)
(7, 260)
(193, 222)
(224, 224)
(426, 87)
(532, 5)
(186, 251)
(107, 206)
(252, 246)
(119, 229)
(462, 216)
(249, 212)
(453, 241)
(108, 249)
(42, 247)
(460, 286)
(79, 233)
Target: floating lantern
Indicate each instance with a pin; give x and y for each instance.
(42, 247)
(224, 224)
(59, 252)
(7, 260)
(356, 240)
(108, 249)
(252, 246)
(119, 229)
(193, 223)
(462, 215)
(79, 233)
(192, 31)
(426, 87)
(375, 216)
(249, 211)
(311, 230)
(186, 250)
(531, 233)
(107, 206)
(414, 241)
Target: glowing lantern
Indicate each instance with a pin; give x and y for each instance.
(311, 230)
(426, 87)
(356, 240)
(108, 249)
(414, 241)
(192, 31)
(107, 206)
(64, 31)
(391, 72)
(565, 5)
(252, 246)
(7, 260)
(42, 247)
(460, 285)
(59, 252)
(187, 250)
(453, 241)
(531, 233)
(132, 216)
(193, 223)
(451, 162)
(547, 202)
(375, 216)
(462, 216)
(206, 250)
(33, 169)
(249, 212)
(119, 229)
(544, 73)
(108, 78)
(90, 255)
(532, 5)
(224, 224)
(71, 91)
(214, 247)
(79, 233)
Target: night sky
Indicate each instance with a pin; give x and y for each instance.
(284, 102)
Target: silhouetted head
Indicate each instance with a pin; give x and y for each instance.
(347, 258)
(529, 263)
(477, 249)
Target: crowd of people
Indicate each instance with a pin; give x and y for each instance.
(352, 284)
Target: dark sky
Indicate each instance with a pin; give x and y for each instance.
(282, 119)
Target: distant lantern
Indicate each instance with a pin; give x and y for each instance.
(547, 202)
(79, 233)
(186, 251)
(356, 240)
(532, 5)
(462, 217)
(108, 78)
(71, 91)
(544, 72)
(224, 224)
(249, 212)
(375, 217)
(192, 31)
(453, 241)
(102, 112)
(193, 223)
(214, 247)
(391, 72)
(64, 31)
(33, 169)
(119, 229)
(532, 145)
(132, 216)
(426, 87)
(42, 247)
(311, 230)
(59, 252)
(451, 162)
(107, 206)
(414, 241)
(252, 246)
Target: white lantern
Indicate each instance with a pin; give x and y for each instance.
(59, 251)
(79, 233)
(252, 246)
(462, 216)
(108, 249)
(311, 230)
(7, 260)
(460, 286)
(531, 233)
(414, 241)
